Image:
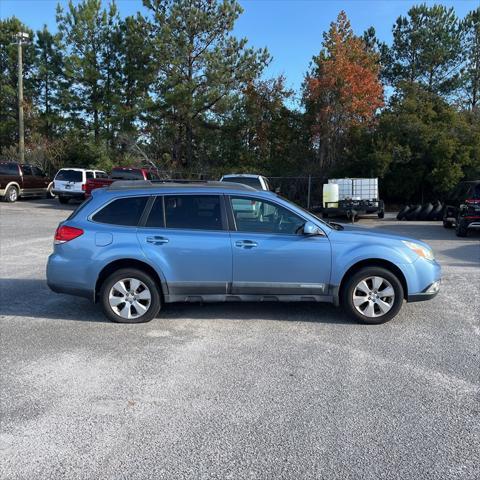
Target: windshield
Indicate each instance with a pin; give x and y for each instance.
(249, 181)
(69, 176)
(476, 192)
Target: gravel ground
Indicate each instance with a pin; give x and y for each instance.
(262, 391)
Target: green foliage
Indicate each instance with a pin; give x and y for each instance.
(427, 49)
(175, 87)
(200, 66)
(470, 78)
(8, 79)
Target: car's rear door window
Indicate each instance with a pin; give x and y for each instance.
(197, 212)
(123, 211)
(27, 170)
(89, 175)
(156, 218)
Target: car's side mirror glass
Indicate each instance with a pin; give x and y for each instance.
(311, 229)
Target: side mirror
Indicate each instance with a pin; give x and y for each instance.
(311, 229)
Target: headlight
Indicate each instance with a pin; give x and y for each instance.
(420, 250)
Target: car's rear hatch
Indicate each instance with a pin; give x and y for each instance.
(69, 180)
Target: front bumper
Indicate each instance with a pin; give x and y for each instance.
(423, 280)
(430, 292)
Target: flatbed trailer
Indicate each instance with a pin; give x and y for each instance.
(352, 209)
(356, 196)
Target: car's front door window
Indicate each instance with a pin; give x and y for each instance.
(261, 216)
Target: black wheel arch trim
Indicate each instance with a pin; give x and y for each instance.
(117, 264)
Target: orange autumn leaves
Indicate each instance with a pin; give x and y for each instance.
(344, 84)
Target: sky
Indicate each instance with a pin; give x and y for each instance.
(290, 29)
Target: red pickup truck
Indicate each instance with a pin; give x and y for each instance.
(121, 173)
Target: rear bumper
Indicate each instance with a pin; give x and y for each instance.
(60, 279)
(68, 194)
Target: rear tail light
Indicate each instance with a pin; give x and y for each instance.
(84, 186)
(65, 233)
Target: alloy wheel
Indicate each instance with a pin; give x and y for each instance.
(129, 298)
(373, 296)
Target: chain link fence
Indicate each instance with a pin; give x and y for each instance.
(303, 190)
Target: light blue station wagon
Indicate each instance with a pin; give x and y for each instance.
(137, 245)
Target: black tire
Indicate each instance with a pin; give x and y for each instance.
(461, 229)
(11, 195)
(63, 200)
(381, 214)
(425, 211)
(440, 213)
(401, 214)
(434, 214)
(145, 278)
(413, 213)
(348, 289)
(447, 224)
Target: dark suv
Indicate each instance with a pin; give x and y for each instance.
(22, 180)
(463, 208)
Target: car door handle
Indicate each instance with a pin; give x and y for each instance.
(246, 243)
(157, 240)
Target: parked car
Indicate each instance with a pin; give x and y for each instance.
(71, 182)
(462, 209)
(136, 246)
(23, 180)
(258, 182)
(121, 173)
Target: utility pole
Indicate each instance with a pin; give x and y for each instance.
(22, 39)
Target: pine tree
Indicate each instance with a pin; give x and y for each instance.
(199, 66)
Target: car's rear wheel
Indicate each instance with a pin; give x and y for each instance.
(372, 295)
(63, 200)
(11, 195)
(130, 296)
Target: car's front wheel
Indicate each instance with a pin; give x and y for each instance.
(130, 296)
(372, 295)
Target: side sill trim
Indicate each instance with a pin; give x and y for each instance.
(217, 298)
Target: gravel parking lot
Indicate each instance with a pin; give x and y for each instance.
(237, 391)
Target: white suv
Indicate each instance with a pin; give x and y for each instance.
(71, 182)
(256, 181)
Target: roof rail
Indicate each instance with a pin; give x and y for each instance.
(139, 184)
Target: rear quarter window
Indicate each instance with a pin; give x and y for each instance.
(69, 176)
(123, 211)
(8, 169)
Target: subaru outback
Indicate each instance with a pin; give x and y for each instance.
(136, 246)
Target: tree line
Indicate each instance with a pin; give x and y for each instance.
(172, 84)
